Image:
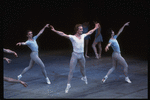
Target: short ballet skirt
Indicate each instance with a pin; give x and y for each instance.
(99, 38)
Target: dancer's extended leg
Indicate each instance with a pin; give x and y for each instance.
(37, 60)
(100, 49)
(73, 62)
(95, 50)
(114, 65)
(122, 61)
(26, 69)
(82, 69)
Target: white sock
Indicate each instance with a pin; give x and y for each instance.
(20, 75)
(126, 77)
(68, 84)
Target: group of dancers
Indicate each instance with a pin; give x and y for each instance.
(78, 52)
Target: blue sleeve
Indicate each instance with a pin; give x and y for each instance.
(115, 37)
(35, 37)
(27, 42)
(110, 41)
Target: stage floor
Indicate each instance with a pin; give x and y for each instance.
(57, 67)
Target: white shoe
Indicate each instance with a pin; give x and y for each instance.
(19, 77)
(84, 79)
(127, 80)
(67, 88)
(104, 79)
(48, 81)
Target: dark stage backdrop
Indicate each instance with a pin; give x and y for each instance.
(18, 16)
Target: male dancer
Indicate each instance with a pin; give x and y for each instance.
(8, 79)
(97, 41)
(78, 51)
(116, 55)
(32, 44)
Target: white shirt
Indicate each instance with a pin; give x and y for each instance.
(78, 44)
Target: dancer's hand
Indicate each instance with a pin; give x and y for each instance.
(8, 60)
(15, 54)
(126, 24)
(52, 28)
(106, 49)
(19, 43)
(47, 25)
(24, 84)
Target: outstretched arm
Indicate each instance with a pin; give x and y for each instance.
(41, 31)
(121, 29)
(59, 32)
(10, 51)
(15, 81)
(91, 31)
(21, 43)
(107, 47)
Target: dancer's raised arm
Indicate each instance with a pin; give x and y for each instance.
(121, 29)
(41, 31)
(59, 32)
(91, 31)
